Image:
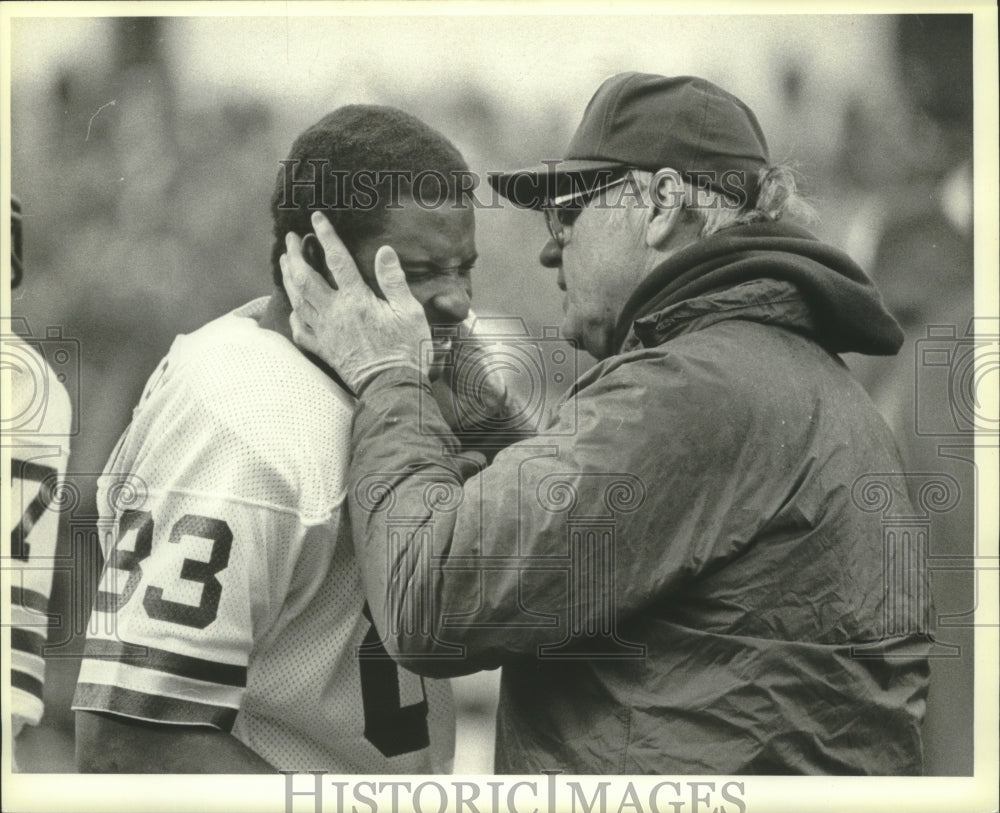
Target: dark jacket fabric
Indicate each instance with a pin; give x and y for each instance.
(690, 569)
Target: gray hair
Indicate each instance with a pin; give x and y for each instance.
(777, 197)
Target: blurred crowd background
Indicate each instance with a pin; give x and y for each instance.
(144, 151)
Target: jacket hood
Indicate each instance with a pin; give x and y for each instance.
(843, 311)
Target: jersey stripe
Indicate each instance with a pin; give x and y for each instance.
(20, 617)
(29, 470)
(147, 657)
(29, 599)
(165, 684)
(156, 708)
(26, 470)
(27, 641)
(26, 662)
(26, 683)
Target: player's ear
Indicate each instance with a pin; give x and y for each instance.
(312, 250)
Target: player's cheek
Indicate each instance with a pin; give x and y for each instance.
(423, 292)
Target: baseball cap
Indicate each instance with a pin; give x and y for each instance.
(652, 122)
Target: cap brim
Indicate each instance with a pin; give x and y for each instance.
(534, 187)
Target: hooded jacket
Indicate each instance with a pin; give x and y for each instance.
(690, 569)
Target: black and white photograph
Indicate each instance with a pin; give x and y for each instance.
(500, 407)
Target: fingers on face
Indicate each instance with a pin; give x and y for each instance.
(307, 312)
(338, 258)
(287, 277)
(299, 284)
(390, 276)
(303, 284)
(302, 333)
(293, 267)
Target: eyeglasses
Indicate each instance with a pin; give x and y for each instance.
(563, 210)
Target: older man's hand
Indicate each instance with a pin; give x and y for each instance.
(350, 328)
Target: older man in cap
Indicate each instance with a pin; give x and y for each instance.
(686, 571)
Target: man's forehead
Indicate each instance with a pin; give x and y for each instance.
(446, 227)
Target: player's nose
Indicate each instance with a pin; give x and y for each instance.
(452, 301)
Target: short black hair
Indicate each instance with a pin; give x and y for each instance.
(345, 148)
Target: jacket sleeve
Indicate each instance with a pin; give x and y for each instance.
(545, 550)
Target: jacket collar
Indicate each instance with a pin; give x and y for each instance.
(766, 301)
(843, 310)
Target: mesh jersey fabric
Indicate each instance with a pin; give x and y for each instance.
(230, 596)
(36, 434)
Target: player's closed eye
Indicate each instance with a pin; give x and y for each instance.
(421, 271)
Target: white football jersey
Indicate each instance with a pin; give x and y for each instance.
(230, 596)
(36, 434)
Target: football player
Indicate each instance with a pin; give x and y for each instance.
(37, 431)
(233, 632)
